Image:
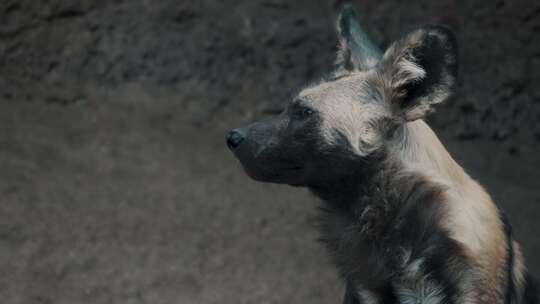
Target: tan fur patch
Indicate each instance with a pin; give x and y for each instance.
(473, 219)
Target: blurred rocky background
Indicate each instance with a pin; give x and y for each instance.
(116, 185)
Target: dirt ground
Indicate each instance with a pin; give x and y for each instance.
(115, 182)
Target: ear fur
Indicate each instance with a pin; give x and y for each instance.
(356, 51)
(420, 71)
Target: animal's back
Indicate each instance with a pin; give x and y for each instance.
(473, 219)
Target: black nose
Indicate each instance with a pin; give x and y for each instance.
(234, 138)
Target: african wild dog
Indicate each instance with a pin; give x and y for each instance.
(403, 221)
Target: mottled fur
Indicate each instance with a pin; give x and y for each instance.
(386, 238)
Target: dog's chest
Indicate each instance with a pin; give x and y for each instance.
(368, 253)
(358, 242)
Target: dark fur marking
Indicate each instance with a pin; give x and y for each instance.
(388, 295)
(351, 296)
(510, 291)
(530, 295)
(530, 290)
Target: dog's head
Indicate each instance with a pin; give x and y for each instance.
(330, 127)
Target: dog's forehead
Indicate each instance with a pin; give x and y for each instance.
(343, 89)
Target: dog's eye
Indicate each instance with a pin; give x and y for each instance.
(302, 112)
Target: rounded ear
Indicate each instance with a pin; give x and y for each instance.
(356, 51)
(420, 71)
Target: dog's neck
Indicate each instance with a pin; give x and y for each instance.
(419, 149)
(356, 189)
(414, 148)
